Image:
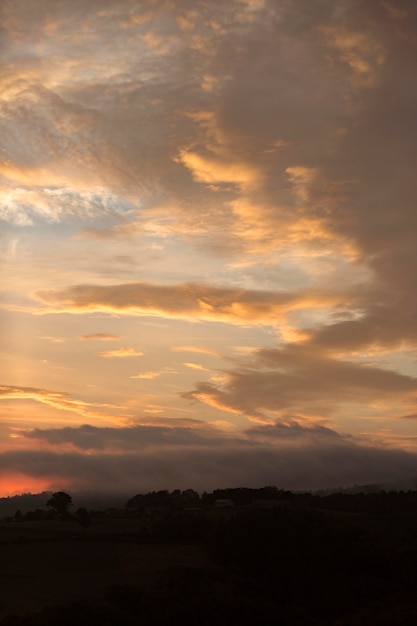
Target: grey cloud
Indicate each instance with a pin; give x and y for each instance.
(384, 326)
(356, 130)
(377, 154)
(176, 434)
(281, 59)
(292, 431)
(297, 377)
(321, 462)
(335, 373)
(138, 438)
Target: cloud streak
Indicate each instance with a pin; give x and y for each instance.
(189, 301)
(100, 337)
(56, 399)
(120, 353)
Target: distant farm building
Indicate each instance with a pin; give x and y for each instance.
(224, 503)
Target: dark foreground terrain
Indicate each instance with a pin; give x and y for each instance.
(293, 560)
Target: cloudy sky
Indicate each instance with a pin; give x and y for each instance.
(208, 244)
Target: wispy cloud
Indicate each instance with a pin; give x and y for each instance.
(99, 337)
(54, 339)
(150, 375)
(147, 375)
(120, 353)
(59, 400)
(196, 366)
(196, 349)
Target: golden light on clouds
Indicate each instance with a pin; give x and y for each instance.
(211, 170)
(196, 366)
(188, 301)
(207, 221)
(120, 353)
(147, 375)
(99, 337)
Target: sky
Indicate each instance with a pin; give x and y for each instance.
(208, 244)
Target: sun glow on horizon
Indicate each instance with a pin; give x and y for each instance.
(18, 484)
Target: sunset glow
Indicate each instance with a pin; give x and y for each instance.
(208, 244)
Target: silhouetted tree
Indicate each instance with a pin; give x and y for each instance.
(18, 516)
(34, 516)
(60, 501)
(136, 503)
(83, 517)
(189, 497)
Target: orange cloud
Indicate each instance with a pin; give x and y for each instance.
(189, 301)
(214, 170)
(147, 375)
(120, 353)
(56, 399)
(154, 374)
(99, 337)
(196, 366)
(362, 54)
(197, 349)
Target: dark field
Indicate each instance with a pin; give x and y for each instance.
(47, 563)
(296, 561)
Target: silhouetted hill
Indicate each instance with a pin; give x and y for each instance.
(31, 502)
(24, 502)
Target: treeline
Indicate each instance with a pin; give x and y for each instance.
(381, 502)
(388, 502)
(391, 502)
(239, 496)
(163, 498)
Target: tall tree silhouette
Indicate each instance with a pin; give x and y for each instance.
(60, 501)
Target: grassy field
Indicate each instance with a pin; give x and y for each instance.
(53, 562)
